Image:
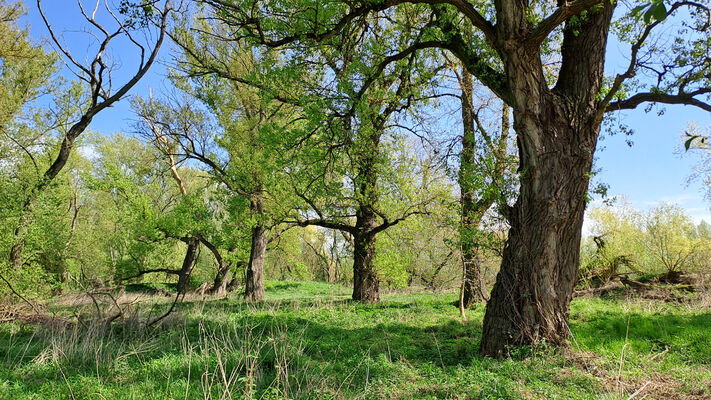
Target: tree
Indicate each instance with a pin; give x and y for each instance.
(671, 239)
(96, 74)
(161, 125)
(334, 115)
(615, 246)
(167, 147)
(384, 185)
(143, 214)
(360, 178)
(223, 123)
(482, 178)
(193, 134)
(662, 242)
(557, 121)
(25, 71)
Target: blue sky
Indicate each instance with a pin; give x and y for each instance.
(653, 170)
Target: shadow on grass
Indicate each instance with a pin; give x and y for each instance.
(348, 356)
(350, 346)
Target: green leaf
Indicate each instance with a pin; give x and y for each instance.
(638, 10)
(691, 139)
(657, 11)
(648, 14)
(687, 143)
(660, 12)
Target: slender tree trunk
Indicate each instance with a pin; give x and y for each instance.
(474, 286)
(20, 232)
(475, 206)
(557, 131)
(219, 285)
(234, 282)
(188, 265)
(25, 220)
(471, 215)
(331, 271)
(254, 282)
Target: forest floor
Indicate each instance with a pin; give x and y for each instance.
(307, 340)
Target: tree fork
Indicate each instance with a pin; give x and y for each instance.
(558, 133)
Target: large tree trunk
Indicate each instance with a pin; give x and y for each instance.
(188, 265)
(557, 131)
(365, 279)
(254, 282)
(531, 297)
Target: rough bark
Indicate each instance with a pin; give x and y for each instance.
(254, 282)
(474, 288)
(365, 279)
(188, 265)
(219, 285)
(558, 133)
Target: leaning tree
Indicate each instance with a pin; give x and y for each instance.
(96, 74)
(557, 112)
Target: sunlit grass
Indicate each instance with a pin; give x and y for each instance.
(308, 340)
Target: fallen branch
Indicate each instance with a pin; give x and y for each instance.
(596, 291)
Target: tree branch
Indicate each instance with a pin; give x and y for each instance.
(687, 99)
(559, 16)
(325, 224)
(387, 224)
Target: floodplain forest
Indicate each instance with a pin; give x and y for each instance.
(368, 199)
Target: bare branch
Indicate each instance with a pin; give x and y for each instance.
(687, 99)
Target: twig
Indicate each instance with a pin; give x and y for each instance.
(438, 352)
(16, 293)
(666, 349)
(633, 395)
(170, 310)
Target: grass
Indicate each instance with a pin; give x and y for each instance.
(309, 341)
